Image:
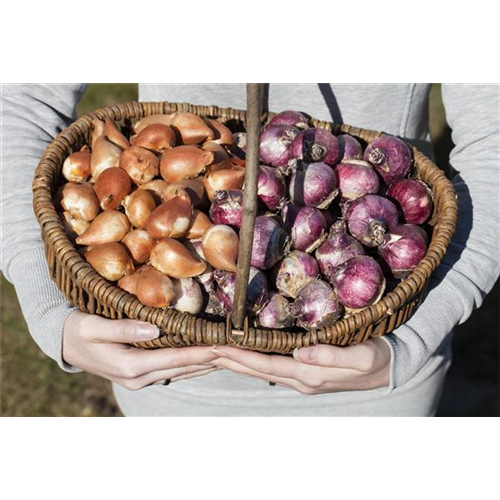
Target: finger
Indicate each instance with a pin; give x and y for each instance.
(235, 367)
(277, 365)
(160, 376)
(356, 357)
(196, 374)
(123, 331)
(142, 361)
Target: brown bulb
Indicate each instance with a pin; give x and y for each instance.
(80, 201)
(159, 189)
(73, 227)
(195, 188)
(98, 131)
(114, 135)
(223, 180)
(222, 135)
(110, 260)
(107, 227)
(138, 207)
(140, 164)
(154, 289)
(129, 282)
(76, 167)
(220, 154)
(191, 129)
(172, 218)
(172, 258)
(158, 138)
(152, 120)
(184, 162)
(139, 245)
(199, 224)
(105, 155)
(111, 187)
(220, 247)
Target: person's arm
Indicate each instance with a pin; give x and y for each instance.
(468, 272)
(32, 115)
(472, 263)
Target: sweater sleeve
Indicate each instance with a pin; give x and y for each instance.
(472, 263)
(32, 115)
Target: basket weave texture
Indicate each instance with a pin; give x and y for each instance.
(91, 293)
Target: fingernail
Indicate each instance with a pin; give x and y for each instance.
(305, 354)
(146, 331)
(219, 353)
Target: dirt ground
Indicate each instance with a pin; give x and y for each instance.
(33, 385)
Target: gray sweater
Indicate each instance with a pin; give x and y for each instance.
(33, 114)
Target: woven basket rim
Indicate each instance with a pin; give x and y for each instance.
(72, 138)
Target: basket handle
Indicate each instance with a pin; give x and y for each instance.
(254, 110)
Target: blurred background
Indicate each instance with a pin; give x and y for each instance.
(33, 385)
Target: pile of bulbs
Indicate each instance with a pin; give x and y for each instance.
(159, 212)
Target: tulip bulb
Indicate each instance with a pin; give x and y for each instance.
(73, 227)
(114, 135)
(140, 164)
(154, 289)
(76, 167)
(111, 187)
(129, 282)
(98, 131)
(184, 162)
(195, 189)
(172, 258)
(222, 135)
(223, 180)
(188, 296)
(157, 137)
(80, 201)
(138, 207)
(220, 154)
(110, 260)
(191, 129)
(172, 218)
(139, 244)
(107, 227)
(159, 189)
(220, 247)
(152, 120)
(199, 224)
(105, 155)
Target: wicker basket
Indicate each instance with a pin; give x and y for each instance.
(93, 294)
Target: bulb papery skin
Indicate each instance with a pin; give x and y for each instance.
(316, 145)
(403, 249)
(140, 164)
(227, 207)
(289, 117)
(257, 291)
(313, 185)
(355, 179)
(294, 271)
(370, 217)
(76, 167)
(154, 289)
(275, 144)
(309, 229)
(138, 207)
(338, 248)
(276, 314)
(157, 138)
(316, 306)
(107, 227)
(270, 243)
(111, 187)
(139, 244)
(271, 187)
(80, 201)
(188, 296)
(350, 148)
(359, 282)
(220, 245)
(184, 162)
(414, 198)
(110, 260)
(390, 157)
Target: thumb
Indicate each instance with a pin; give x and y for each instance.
(325, 355)
(123, 331)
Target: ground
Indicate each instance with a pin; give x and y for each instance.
(33, 385)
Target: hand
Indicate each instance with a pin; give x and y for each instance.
(101, 346)
(315, 370)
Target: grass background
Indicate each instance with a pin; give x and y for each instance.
(31, 384)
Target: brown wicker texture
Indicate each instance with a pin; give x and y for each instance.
(91, 293)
